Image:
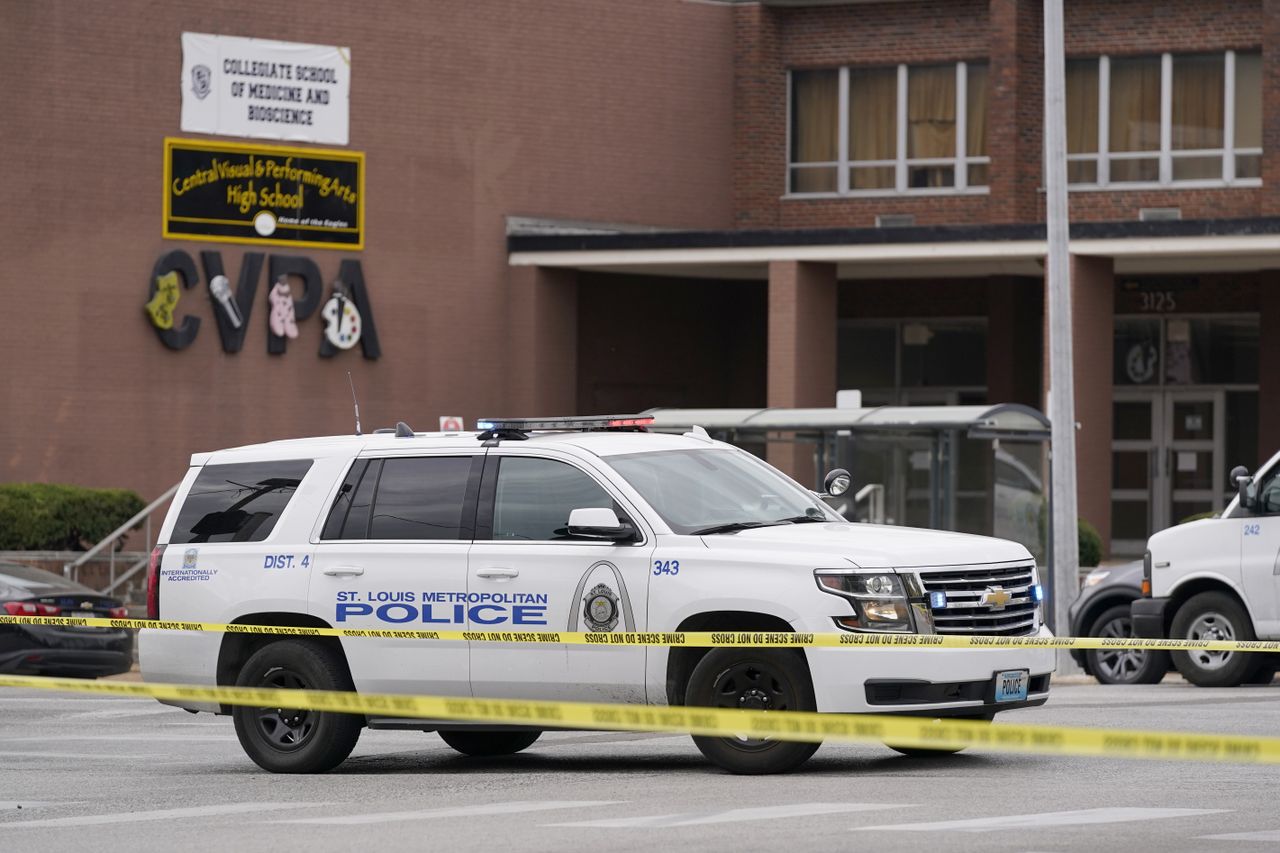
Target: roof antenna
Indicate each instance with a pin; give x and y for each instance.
(354, 402)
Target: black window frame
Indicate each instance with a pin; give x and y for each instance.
(369, 470)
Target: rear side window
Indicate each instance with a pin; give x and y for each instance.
(419, 497)
(238, 503)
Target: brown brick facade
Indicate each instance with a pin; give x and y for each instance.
(1007, 35)
(606, 110)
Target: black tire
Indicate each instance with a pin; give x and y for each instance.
(289, 741)
(1123, 666)
(1214, 615)
(488, 744)
(933, 751)
(760, 679)
(1265, 674)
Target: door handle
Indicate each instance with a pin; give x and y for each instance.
(497, 573)
(344, 571)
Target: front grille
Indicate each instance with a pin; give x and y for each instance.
(966, 586)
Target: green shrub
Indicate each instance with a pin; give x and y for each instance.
(1087, 538)
(1090, 544)
(54, 517)
(1199, 515)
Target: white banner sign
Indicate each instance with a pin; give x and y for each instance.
(265, 89)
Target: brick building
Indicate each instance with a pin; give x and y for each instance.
(581, 205)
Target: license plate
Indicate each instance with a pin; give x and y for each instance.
(1011, 685)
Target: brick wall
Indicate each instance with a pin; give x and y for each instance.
(613, 110)
(1008, 34)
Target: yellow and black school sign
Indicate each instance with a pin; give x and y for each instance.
(269, 194)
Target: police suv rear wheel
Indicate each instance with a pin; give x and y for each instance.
(287, 740)
(487, 744)
(758, 680)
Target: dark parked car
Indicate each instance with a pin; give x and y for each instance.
(1102, 610)
(55, 650)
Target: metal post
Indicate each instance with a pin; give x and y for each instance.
(1066, 550)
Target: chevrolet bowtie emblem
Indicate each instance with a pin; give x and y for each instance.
(995, 597)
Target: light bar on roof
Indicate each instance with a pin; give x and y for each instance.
(582, 423)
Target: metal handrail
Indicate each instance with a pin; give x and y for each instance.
(873, 494)
(72, 568)
(129, 572)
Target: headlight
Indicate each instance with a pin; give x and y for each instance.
(1096, 577)
(878, 599)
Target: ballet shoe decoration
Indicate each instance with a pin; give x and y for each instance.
(282, 321)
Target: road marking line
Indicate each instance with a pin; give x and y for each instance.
(114, 713)
(1043, 819)
(23, 805)
(142, 738)
(161, 814)
(455, 811)
(731, 815)
(78, 756)
(1262, 835)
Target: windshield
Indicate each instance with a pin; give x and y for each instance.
(700, 491)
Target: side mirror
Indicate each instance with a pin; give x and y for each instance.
(1241, 481)
(837, 482)
(599, 523)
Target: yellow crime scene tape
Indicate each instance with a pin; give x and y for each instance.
(715, 722)
(701, 639)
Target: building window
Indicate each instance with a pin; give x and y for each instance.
(1174, 119)
(877, 131)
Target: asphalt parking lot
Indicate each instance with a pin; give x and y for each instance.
(126, 773)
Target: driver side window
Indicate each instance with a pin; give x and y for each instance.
(1269, 494)
(534, 497)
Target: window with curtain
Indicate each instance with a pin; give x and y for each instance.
(815, 108)
(889, 129)
(1167, 119)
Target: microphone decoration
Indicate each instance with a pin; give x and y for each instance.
(220, 287)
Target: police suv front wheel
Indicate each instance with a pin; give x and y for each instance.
(756, 680)
(289, 740)
(491, 743)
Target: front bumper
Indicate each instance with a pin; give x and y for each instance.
(1148, 617)
(923, 681)
(57, 650)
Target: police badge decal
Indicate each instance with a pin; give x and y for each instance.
(200, 79)
(600, 608)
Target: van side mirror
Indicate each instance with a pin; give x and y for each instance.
(599, 522)
(1241, 481)
(836, 483)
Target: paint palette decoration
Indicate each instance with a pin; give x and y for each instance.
(341, 320)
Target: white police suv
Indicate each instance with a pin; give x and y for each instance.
(582, 524)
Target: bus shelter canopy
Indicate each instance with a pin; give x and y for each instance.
(1009, 421)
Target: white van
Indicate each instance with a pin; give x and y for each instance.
(586, 524)
(1219, 579)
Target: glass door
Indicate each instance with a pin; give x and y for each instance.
(1192, 460)
(1166, 459)
(1137, 430)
